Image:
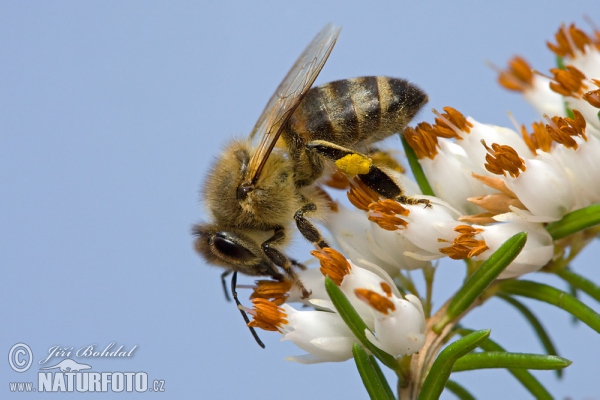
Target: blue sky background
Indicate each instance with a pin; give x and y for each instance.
(111, 112)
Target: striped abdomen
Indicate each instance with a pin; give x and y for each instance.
(357, 112)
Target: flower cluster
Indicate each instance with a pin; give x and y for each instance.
(494, 182)
(396, 323)
(488, 182)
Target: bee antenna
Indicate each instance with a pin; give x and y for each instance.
(240, 307)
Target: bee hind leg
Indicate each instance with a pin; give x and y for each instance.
(353, 163)
(281, 260)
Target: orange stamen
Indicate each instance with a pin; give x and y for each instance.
(360, 195)
(333, 264)
(568, 81)
(422, 140)
(386, 288)
(276, 291)
(451, 124)
(562, 130)
(502, 159)
(539, 139)
(464, 245)
(569, 40)
(496, 203)
(338, 180)
(375, 300)
(593, 96)
(267, 315)
(518, 76)
(385, 214)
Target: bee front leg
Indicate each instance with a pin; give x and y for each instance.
(356, 164)
(279, 259)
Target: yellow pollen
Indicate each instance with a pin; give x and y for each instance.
(267, 315)
(502, 159)
(333, 264)
(518, 76)
(422, 140)
(562, 130)
(569, 40)
(464, 245)
(354, 164)
(568, 81)
(375, 300)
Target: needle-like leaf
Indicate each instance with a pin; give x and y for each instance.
(371, 375)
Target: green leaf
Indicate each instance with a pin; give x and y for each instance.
(459, 391)
(442, 366)
(417, 171)
(535, 324)
(527, 380)
(482, 278)
(551, 295)
(356, 324)
(371, 375)
(496, 359)
(575, 221)
(579, 282)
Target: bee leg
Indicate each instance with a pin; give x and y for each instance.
(356, 164)
(297, 264)
(279, 259)
(241, 308)
(306, 228)
(224, 275)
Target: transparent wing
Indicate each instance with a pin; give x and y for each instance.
(288, 96)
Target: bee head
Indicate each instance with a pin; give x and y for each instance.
(232, 250)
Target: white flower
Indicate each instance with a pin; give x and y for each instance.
(399, 323)
(449, 176)
(520, 77)
(354, 234)
(544, 188)
(536, 253)
(582, 167)
(323, 335)
(543, 99)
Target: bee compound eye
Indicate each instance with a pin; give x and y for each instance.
(227, 245)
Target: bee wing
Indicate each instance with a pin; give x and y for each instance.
(288, 96)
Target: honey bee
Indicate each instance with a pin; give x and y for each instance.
(260, 186)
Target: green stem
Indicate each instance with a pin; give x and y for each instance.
(551, 295)
(416, 168)
(580, 282)
(575, 221)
